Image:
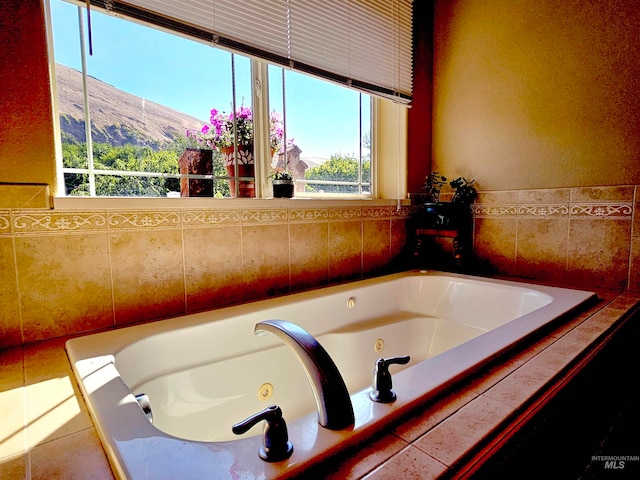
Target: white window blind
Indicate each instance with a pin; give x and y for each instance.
(366, 44)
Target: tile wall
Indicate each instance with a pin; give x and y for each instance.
(69, 271)
(587, 236)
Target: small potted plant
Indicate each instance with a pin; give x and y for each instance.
(451, 214)
(282, 181)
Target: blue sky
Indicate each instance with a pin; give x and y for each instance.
(194, 78)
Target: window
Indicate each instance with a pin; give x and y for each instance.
(147, 94)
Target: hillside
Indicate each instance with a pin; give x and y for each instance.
(117, 117)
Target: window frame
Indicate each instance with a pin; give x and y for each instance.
(260, 106)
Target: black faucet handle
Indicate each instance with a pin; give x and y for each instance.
(382, 382)
(275, 438)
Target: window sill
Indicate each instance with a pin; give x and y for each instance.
(93, 203)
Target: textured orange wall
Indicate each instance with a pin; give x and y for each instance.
(27, 152)
(537, 94)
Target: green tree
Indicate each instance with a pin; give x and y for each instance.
(133, 158)
(338, 168)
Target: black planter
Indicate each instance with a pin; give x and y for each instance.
(283, 188)
(446, 215)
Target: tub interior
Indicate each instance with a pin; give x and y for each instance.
(199, 399)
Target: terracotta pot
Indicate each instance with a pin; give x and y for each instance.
(246, 168)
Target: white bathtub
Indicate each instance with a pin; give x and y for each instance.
(204, 372)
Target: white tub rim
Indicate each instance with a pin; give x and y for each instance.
(93, 360)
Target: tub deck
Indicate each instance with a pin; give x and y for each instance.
(452, 435)
(107, 365)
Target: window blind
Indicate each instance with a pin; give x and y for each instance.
(364, 44)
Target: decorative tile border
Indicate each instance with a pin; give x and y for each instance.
(494, 211)
(602, 210)
(298, 215)
(596, 210)
(345, 213)
(541, 210)
(144, 220)
(5, 222)
(52, 222)
(23, 222)
(404, 212)
(264, 216)
(377, 213)
(202, 218)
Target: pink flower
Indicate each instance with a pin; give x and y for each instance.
(205, 129)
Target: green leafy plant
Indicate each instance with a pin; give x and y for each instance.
(282, 175)
(463, 192)
(433, 185)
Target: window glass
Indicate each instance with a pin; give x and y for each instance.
(328, 132)
(156, 103)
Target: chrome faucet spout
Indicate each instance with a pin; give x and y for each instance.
(335, 410)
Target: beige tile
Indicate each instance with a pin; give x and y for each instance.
(11, 368)
(265, 259)
(64, 283)
(13, 438)
(497, 197)
(54, 409)
(604, 319)
(213, 267)
(636, 211)
(415, 426)
(45, 359)
(14, 467)
(541, 251)
(357, 463)
(376, 245)
(495, 243)
(309, 255)
(545, 196)
(409, 464)
(148, 274)
(634, 267)
(345, 250)
(456, 435)
(517, 387)
(26, 195)
(599, 252)
(75, 457)
(559, 354)
(10, 329)
(398, 238)
(615, 193)
(624, 301)
(486, 379)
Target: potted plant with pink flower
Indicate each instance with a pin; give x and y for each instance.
(232, 135)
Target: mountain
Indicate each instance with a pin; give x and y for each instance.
(117, 117)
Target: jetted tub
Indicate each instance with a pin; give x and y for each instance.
(204, 372)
